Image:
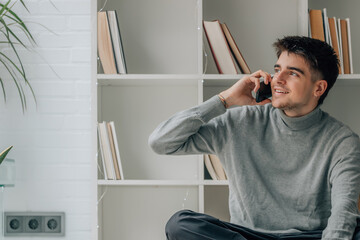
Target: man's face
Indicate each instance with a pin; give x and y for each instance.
(292, 87)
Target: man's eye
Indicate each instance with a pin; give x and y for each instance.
(276, 70)
(294, 74)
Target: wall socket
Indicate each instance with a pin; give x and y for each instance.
(34, 223)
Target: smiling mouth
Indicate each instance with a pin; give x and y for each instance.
(281, 91)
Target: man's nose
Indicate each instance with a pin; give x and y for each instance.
(280, 77)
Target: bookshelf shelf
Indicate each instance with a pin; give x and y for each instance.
(148, 182)
(215, 182)
(147, 79)
(165, 61)
(162, 182)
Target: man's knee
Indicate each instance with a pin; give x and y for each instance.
(178, 224)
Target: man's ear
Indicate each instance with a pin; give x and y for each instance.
(320, 88)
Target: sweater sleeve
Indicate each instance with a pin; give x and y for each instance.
(188, 132)
(345, 190)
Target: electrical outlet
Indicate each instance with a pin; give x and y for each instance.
(15, 224)
(53, 224)
(34, 223)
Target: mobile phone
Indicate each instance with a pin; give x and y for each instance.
(264, 92)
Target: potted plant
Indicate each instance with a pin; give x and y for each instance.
(9, 22)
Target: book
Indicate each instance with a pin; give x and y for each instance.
(316, 24)
(219, 170)
(113, 153)
(116, 41)
(102, 167)
(210, 167)
(326, 27)
(105, 48)
(345, 45)
(349, 45)
(244, 68)
(219, 47)
(340, 46)
(334, 36)
(107, 156)
(117, 152)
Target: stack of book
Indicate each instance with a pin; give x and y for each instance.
(336, 32)
(110, 155)
(110, 47)
(224, 49)
(214, 167)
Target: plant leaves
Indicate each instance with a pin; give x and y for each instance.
(4, 153)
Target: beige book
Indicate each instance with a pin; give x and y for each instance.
(117, 151)
(219, 47)
(105, 48)
(113, 153)
(235, 50)
(219, 170)
(210, 167)
(104, 141)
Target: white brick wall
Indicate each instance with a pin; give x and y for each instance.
(53, 141)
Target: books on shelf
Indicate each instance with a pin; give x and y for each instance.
(244, 68)
(110, 47)
(223, 48)
(334, 36)
(214, 167)
(346, 45)
(316, 24)
(109, 149)
(336, 32)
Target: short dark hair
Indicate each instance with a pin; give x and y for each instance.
(323, 61)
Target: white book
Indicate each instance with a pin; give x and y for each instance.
(103, 169)
(109, 166)
(116, 41)
(340, 45)
(349, 44)
(326, 27)
(117, 152)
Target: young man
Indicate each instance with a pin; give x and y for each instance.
(293, 170)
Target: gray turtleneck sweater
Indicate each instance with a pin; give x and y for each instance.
(285, 174)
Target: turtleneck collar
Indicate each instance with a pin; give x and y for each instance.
(303, 122)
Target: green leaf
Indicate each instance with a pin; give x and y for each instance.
(4, 153)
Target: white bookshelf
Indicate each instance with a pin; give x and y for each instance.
(163, 45)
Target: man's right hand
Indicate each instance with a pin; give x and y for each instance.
(240, 93)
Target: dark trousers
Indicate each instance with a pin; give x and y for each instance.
(189, 225)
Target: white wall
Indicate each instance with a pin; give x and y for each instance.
(53, 142)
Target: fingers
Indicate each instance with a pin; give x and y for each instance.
(261, 73)
(255, 78)
(256, 81)
(266, 101)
